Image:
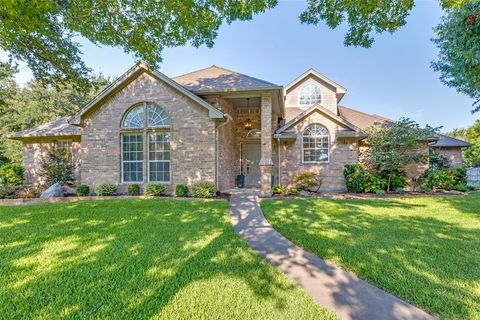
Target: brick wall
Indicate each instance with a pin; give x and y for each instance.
(453, 154)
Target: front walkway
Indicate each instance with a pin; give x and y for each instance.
(329, 285)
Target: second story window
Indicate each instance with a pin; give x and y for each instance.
(310, 95)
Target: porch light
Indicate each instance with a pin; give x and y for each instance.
(248, 124)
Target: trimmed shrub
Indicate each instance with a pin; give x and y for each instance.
(133, 189)
(400, 190)
(380, 192)
(82, 190)
(307, 180)
(461, 187)
(293, 191)
(354, 177)
(279, 189)
(155, 190)
(106, 190)
(374, 182)
(56, 166)
(203, 190)
(181, 190)
(444, 179)
(11, 174)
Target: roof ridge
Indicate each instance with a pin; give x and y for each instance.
(201, 69)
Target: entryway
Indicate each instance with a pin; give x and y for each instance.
(252, 156)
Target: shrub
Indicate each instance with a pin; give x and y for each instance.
(56, 166)
(203, 190)
(279, 189)
(292, 191)
(133, 189)
(400, 190)
(398, 180)
(459, 175)
(307, 180)
(155, 190)
(374, 182)
(461, 187)
(380, 192)
(425, 189)
(11, 174)
(181, 190)
(27, 192)
(8, 191)
(82, 190)
(106, 190)
(444, 179)
(354, 177)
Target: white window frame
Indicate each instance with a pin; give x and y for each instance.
(139, 133)
(150, 161)
(301, 91)
(328, 147)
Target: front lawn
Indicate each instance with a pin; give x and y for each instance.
(137, 259)
(424, 250)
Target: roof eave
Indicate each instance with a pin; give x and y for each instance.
(214, 91)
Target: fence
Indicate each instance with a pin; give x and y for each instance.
(473, 177)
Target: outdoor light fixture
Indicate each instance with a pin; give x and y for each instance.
(248, 124)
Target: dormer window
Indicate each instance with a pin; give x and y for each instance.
(310, 95)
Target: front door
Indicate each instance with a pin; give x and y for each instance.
(252, 159)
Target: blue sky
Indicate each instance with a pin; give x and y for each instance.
(393, 78)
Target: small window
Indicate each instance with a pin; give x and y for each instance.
(315, 144)
(310, 95)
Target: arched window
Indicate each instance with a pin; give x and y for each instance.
(310, 95)
(154, 137)
(315, 144)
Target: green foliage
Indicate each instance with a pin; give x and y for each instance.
(380, 192)
(42, 34)
(437, 160)
(443, 179)
(133, 189)
(393, 146)
(458, 41)
(8, 191)
(104, 190)
(471, 155)
(461, 187)
(11, 174)
(374, 182)
(363, 17)
(203, 190)
(354, 177)
(306, 180)
(279, 189)
(155, 190)
(399, 190)
(181, 190)
(56, 166)
(82, 190)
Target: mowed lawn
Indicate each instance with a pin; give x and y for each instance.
(137, 259)
(424, 250)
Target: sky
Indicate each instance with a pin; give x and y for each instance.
(393, 78)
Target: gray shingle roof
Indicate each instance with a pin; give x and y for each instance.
(59, 127)
(449, 142)
(218, 79)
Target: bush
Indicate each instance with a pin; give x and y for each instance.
(82, 190)
(293, 191)
(444, 179)
(398, 180)
(8, 191)
(380, 192)
(181, 190)
(374, 182)
(307, 180)
(461, 187)
(11, 174)
(27, 192)
(56, 166)
(155, 190)
(279, 189)
(106, 190)
(425, 189)
(133, 189)
(400, 190)
(354, 177)
(203, 190)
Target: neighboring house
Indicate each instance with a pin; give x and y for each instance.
(210, 125)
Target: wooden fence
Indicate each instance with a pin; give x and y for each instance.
(473, 176)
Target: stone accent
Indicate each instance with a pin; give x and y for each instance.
(192, 141)
(266, 162)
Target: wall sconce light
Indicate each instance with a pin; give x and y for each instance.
(248, 124)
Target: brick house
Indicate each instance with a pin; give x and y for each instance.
(210, 125)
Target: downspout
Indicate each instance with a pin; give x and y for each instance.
(279, 163)
(229, 118)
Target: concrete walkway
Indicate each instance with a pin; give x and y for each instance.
(329, 285)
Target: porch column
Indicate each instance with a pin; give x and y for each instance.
(266, 163)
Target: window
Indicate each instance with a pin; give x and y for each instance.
(310, 95)
(154, 138)
(315, 144)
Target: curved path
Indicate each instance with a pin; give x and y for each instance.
(330, 286)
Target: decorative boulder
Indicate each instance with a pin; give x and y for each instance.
(304, 193)
(54, 191)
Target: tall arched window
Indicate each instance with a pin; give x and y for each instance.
(146, 127)
(310, 95)
(315, 144)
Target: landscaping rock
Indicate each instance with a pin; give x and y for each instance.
(304, 193)
(54, 191)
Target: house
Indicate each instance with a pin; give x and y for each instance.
(210, 125)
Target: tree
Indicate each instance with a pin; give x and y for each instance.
(471, 155)
(458, 41)
(394, 146)
(56, 166)
(35, 104)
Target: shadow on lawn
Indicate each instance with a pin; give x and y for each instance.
(90, 260)
(401, 246)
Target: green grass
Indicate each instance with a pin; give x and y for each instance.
(424, 250)
(137, 259)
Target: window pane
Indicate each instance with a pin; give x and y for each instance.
(132, 157)
(157, 117)
(134, 118)
(159, 157)
(315, 144)
(310, 94)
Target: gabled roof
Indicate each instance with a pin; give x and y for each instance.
(360, 119)
(59, 127)
(340, 90)
(319, 108)
(449, 142)
(129, 76)
(218, 79)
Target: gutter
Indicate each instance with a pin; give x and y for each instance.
(229, 118)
